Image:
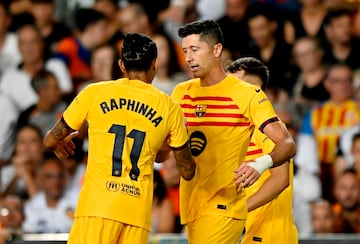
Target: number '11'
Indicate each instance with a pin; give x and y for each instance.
(120, 136)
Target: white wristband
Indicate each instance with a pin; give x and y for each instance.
(262, 163)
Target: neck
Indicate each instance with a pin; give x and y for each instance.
(216, 75)
(138, 75)
(86, 40)
(313, 9)
(32, 68)
(52, 202)
(43, 106)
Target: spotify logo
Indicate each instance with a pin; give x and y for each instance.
(197, 143)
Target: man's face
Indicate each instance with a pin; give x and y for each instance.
(30, 45)
(199, 56)
(261, 30)
(341, 29)
(347, 191)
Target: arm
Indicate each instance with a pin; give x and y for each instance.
(59, 139)
(184, 161)
(284, 149)
(271, 188)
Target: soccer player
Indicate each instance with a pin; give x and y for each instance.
(221, 113)
(129, 120)
(269, 199)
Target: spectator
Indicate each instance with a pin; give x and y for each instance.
(110, 9)
(344, 162)
(347, 208)
(9, 116)
(76, 50)
(327, 121)
(51, 30)
(49, 107)
(16, 81)
(163, 216)
(234, 27)
(322, 217)
(20, 14)
(169, 73)
(9, 51)
(341, 46)
(19, 177)
(133, 18)
(50, 210)
(103, 64)
(11, 217)
(307, 21)
(268, 45)
(309, 82)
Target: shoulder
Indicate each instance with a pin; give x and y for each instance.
(53, 63)
(37, 201)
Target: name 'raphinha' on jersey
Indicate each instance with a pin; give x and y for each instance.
(132, 105)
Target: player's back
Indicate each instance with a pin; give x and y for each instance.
(128, 121)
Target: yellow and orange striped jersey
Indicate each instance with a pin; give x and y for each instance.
(220, 120)
(328, 121)
(273, 222)
(128, 121)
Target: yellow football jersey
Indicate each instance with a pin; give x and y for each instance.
(128, 121)
(328, 122)
(220, 120)
(273, 222)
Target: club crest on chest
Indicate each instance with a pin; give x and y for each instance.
(200, 110)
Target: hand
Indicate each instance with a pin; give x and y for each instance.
(245, 176)
(66, 146)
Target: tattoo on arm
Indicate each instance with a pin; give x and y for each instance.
(184, 162)
(61, 130)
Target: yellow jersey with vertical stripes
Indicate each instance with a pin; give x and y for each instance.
(220, 120)
(128, 120)
(328, 122)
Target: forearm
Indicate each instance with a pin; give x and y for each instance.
(184, 162)
(56, 134)
(31, 185)
(271, 188)
(283, 151)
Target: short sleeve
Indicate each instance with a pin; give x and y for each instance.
(77, 111)
(178, 132)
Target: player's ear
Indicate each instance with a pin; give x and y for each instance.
(154, 64)
(122, 66)
(218, 48)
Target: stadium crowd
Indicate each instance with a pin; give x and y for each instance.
(51, 49)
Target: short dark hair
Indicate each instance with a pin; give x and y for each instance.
(40, 79)
(262, 9)
(251, 66)
(334, 14)
(138, 52)
(85, 17)
(209, 31)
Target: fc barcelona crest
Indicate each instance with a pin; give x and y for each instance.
(200, 110)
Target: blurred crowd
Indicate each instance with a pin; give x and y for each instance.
(51, 49)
